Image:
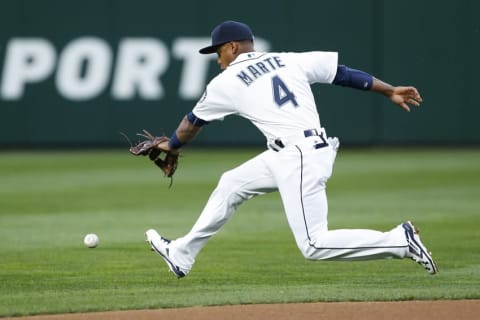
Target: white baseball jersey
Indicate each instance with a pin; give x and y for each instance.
(272, 90)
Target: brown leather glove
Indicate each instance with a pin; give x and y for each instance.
(168, 164)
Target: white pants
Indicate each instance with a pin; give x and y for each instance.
(299, 172)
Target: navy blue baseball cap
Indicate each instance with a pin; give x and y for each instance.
(228, 31)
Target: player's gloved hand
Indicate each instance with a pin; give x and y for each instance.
(154, 147)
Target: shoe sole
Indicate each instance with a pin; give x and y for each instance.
(413, 236)
(173, 268)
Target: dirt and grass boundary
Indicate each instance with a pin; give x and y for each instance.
(411, 310)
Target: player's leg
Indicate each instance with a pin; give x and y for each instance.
(250, 179)
(302, 186)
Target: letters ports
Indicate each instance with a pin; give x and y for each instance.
(86, 67)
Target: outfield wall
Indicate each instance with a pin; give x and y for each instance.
(78, 72)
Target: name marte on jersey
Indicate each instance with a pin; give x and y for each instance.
(255, 70)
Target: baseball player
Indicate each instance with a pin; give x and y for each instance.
(272, 90)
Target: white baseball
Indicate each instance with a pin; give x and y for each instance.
(91, 240)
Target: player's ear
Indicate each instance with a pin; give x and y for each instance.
(235, 47)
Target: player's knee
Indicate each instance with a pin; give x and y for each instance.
(307, 253)
(310, 252)
(227, 181)
(306, 250)
(231, 189)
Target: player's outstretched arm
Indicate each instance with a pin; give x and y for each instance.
(184, 133)
(358, 79)
(402, 96)
(186, 130)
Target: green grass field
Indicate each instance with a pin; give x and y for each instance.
(50, 200)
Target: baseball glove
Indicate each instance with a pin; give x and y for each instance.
(149, 146)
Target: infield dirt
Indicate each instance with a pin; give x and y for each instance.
(411, 310)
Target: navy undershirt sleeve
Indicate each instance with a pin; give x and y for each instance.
(197, 122)
(353, 78)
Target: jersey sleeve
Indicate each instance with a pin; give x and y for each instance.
(319, 66)
(215, 104)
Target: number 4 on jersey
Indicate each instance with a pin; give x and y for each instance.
(281, 93)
